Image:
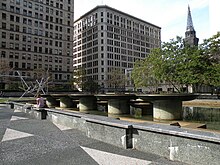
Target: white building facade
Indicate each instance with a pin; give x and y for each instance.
(106, 39)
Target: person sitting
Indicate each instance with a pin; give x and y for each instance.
(40, 102)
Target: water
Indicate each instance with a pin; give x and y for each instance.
(207, 115)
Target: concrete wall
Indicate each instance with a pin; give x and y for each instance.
(74, 120)
(175, 143)
(185, 145)
(105, 129)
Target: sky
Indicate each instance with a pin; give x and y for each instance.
(170, 15)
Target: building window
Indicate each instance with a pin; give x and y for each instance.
(23, 65)
(12, 8)
(17, 10)
(4, 6)
(4, 25)
(11, 55)
(3, 54)
(30, 22)
(11, 36)
(11, 27)
(24, 30)
(41, 16)
(30, 13)
(16, 64)
(18, 2)
(29, 39)
(24, 12)
(25, 3)
(36, 6)
(30, 5)
(29, 30)
(17, 46)
(29, 47)
(17, 28)
(24, 38)
(3, 16)
(3, 34)
(68, 30)
(24, 47)
(17, 19)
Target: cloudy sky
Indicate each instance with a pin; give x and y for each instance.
(170, 15)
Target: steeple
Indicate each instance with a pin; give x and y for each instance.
(190, 34)
(189, 26)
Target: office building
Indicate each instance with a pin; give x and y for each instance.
(108, 41)
(38, 35)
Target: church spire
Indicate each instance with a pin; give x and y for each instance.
(190, 34)
(189, 26)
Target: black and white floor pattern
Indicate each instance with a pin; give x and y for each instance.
(27, 141)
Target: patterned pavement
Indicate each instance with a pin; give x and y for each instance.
(28, 141)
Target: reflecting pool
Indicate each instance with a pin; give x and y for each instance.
(207, 115)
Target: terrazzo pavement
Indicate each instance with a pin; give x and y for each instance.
(28, 141)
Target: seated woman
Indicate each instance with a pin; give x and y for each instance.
(40, 102)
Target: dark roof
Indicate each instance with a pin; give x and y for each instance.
(107, 7)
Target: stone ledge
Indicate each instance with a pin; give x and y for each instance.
(74, 114)
(109, 122)
(181, 132)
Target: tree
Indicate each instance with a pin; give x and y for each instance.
(181, 65)
(4, 67)
(143, 74)
(40, 73)
(4, 71)
(90, 86)
(78, 78)
(116, 79)
(211, 50)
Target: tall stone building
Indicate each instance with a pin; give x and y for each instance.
(108, 41)
(190, 34)
(38, 35)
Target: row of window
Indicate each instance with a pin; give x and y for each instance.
(48, 17)
(16, 37)
(137, 53)
(30, 48)
(137, 39)
(124, 23)
(36, 31)
(112, 63)
(24, 65)
(36, 75)
(95, 70)
(35, 57)
(37, 23)
(47, 2)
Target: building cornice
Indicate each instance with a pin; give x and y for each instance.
(113, 9)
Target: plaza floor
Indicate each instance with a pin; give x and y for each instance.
(28, 141)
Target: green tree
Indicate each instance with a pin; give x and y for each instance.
(78, 78)
(90, 86)
(180, 65)
(211, 50)
(143, 74)
(116, 79)
(4, 72)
